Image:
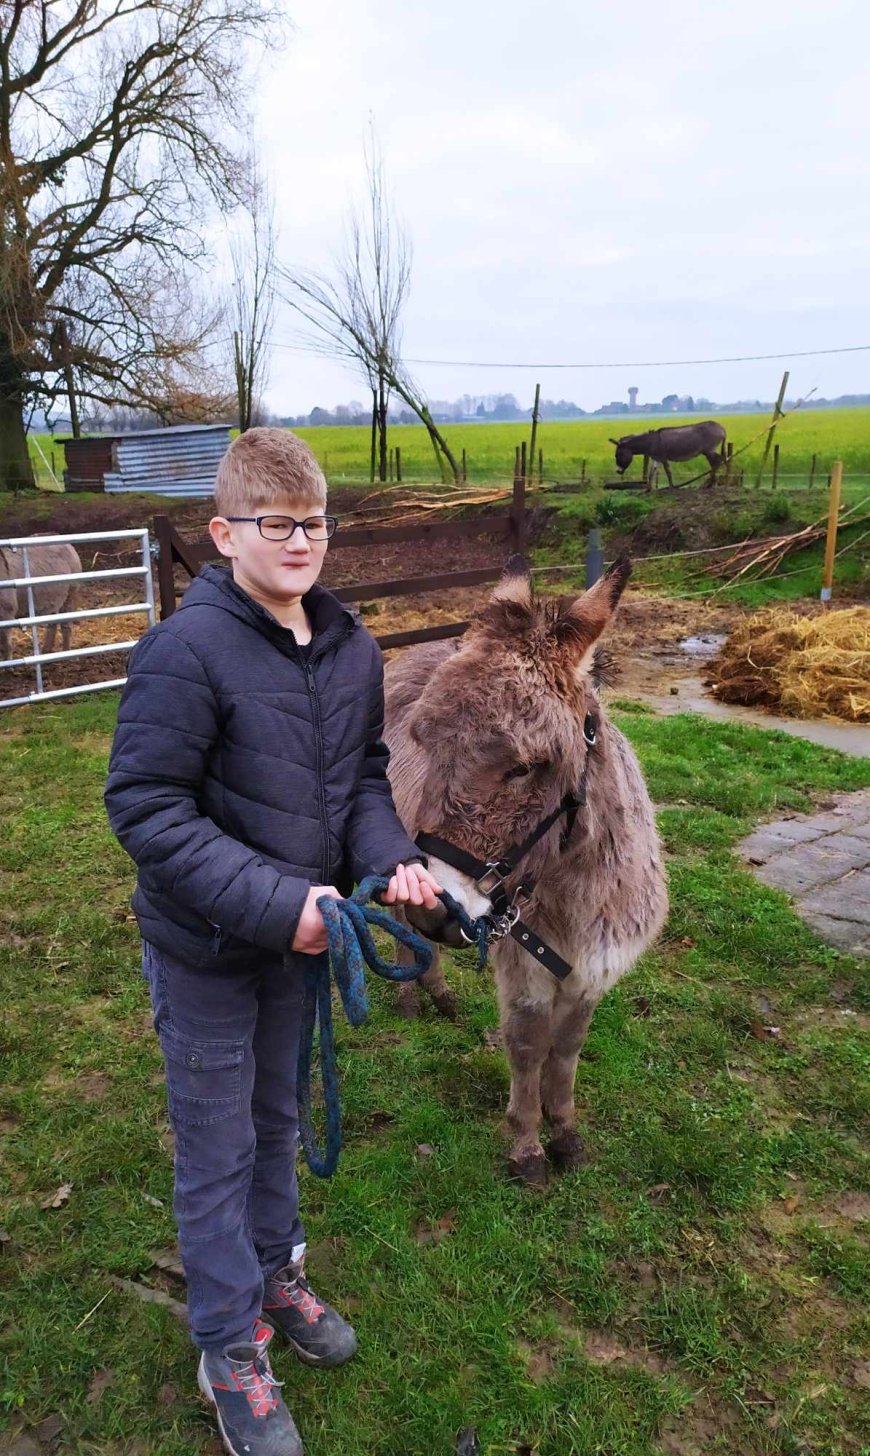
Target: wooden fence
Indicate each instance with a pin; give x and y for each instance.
(510, 526)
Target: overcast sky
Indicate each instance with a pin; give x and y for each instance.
(588, 182)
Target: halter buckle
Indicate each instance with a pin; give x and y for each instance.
(502, 925)
(492, 877)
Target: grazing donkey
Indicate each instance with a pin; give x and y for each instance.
(491, 740)
(59, 596)
(674, 442)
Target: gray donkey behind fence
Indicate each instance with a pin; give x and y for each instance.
(674, 442)
(58, 596)
(486, 737)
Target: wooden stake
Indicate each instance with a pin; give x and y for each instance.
(524, 461)
(812, 473)
(777, 416)
(391, 476)
(540, 467)
(398, 462)
(831, 539)
(464, 465)
(516, 462)
(582, 472)
(534, 428)
(775, 467)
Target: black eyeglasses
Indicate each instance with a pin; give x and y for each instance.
(281, 528)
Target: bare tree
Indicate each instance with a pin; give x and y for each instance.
(356, 313)
(117, 123)
(253, 299)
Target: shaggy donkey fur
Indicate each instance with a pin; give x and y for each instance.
(485, 738)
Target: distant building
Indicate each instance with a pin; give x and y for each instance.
(632, 397)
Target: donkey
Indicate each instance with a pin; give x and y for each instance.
(58, 596)
(674, 442)
(489, 740)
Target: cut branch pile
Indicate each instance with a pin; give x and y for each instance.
(755, 559)
(806, 667)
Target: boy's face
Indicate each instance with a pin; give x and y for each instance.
(270, 570)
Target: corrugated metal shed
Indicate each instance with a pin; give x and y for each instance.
(181, 460)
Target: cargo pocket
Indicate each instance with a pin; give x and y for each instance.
(203, 1078)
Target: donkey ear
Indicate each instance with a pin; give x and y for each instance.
(581, 623)
(515, 583)
(612, 441)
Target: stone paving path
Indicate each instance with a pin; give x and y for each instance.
(823, 861)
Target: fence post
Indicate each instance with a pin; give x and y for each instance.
(777, 416)
(516, 462)
(518, 514)
(398, 462)
(582, 473)
(775, 467)
(594, 557)
(812, 473)
(831, 538)
(540, 467)
(165, 565)
(464, 465)
(524, 465)
(534, 429)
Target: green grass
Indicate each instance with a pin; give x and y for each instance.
(344, 450)
(673, 1244)
(830, 434)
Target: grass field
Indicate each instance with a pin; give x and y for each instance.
(343, 451)
(698, 1288)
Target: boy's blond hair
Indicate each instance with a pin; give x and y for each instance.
(265, 467)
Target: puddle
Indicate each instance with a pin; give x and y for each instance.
(689, 696)
(706, 645)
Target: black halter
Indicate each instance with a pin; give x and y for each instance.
(490, 875)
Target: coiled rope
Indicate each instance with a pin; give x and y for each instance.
(351, 947)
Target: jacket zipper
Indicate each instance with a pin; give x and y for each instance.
(318, 738)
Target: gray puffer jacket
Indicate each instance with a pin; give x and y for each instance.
(242, 773)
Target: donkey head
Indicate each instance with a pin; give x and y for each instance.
(500, 726)
(624, 453)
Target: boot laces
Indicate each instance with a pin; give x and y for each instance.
(256, 1381)
(305, 1300)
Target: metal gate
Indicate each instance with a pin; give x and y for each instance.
(33, 621)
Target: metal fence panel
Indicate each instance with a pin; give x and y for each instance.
(33, 620)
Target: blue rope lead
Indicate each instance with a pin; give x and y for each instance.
(351, 949)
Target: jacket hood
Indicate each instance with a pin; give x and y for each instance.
(215, 587)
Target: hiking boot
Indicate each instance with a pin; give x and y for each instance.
(252, 1417)
(316, 1331)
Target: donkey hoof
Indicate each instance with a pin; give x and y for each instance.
(445, 1004)
(568, 1151)
(408, 1002)
(530, 1169)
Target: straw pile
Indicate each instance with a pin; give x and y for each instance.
(808, 667)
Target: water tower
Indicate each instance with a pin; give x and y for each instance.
(632, 397)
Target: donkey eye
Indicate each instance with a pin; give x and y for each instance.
(519, 771)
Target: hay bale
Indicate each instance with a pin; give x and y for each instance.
(807, 667)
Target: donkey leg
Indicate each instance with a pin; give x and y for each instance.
(568, 1029)
(433, 982)
(666, 464)
(526, 1030)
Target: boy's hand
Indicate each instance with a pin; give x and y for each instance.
(310, 937)
(412, 883)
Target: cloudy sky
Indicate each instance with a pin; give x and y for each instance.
(588, 182)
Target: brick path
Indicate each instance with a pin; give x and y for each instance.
(823, 862)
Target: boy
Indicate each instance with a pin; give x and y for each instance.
(248, 778)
